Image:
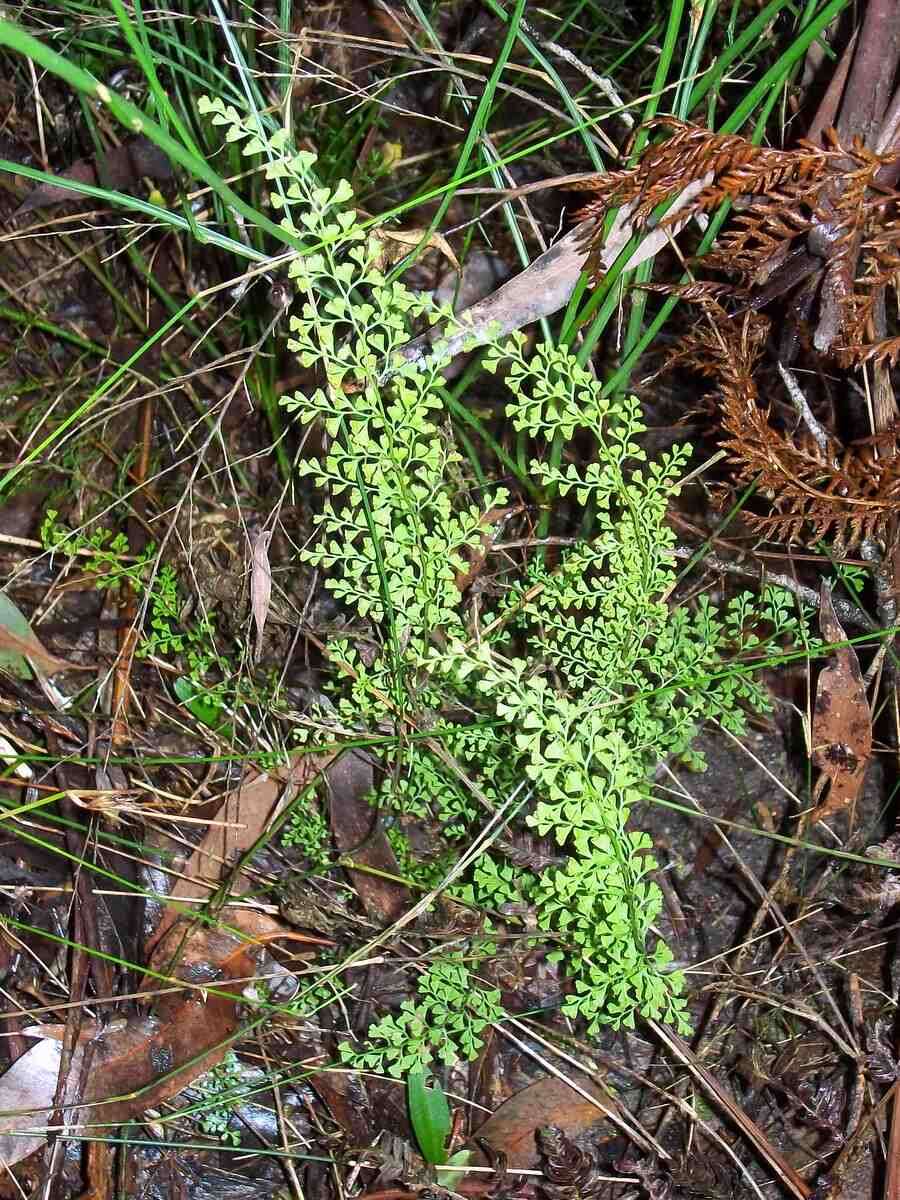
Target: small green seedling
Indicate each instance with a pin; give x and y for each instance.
(429, 1114)
(196, 702)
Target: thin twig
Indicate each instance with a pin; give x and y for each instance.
(801, 404)
(848, 613)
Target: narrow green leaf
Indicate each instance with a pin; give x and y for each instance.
(429, 1113)
(200, 706)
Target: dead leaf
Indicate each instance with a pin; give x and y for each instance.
(19, 647)
(260, 585)
(397, 243)
(243, 818)
(119, 169)
(184, 1035)
(545, 286)
(482, 273)
(550, 1101)
(358, 833)
(842, 720)
(145, 1061)
(357, 1102)
(492, 522)
(30, 1083)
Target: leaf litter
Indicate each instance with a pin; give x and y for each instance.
(842, 720)
(199, 1021)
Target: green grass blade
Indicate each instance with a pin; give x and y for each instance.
(137, 122)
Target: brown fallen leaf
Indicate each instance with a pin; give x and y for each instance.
(492, 522)
(842, 720)
(180, 1040)
(245, 814)
(358, 834)
(545, 286)
(482, 273)
(119, 169)
(360, 1102)
(260, 585)
(511, 1129)
(140, 1064)
(397, 243)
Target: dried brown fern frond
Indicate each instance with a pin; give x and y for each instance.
(822, 208)
(884, 351)
(750, 248)
(728, 165)
(736, 167)
(814, 223)
(816, 491)
(701, 289)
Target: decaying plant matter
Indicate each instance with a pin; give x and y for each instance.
(820, 217)
(816, 489)
(817, 225)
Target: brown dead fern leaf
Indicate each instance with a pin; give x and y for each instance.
(735, 166)
(813, 224)
(847, 493)
(823, 200)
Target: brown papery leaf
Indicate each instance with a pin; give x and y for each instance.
(842, 720)
(397, 243)
(140, 1064)
(358, 833)
(260, 585)
(244, 816)
(550, 1101)
(546, 285)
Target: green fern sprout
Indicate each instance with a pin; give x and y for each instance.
(220, 1092)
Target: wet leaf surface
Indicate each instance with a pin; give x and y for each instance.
(137, 1064)
(243, 818)
(842, 720)
(512, 1129)
(358, 834)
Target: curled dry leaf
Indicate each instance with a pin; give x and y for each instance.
(842, 720)
(568, 1169)
(397, 243)
(260, 585)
